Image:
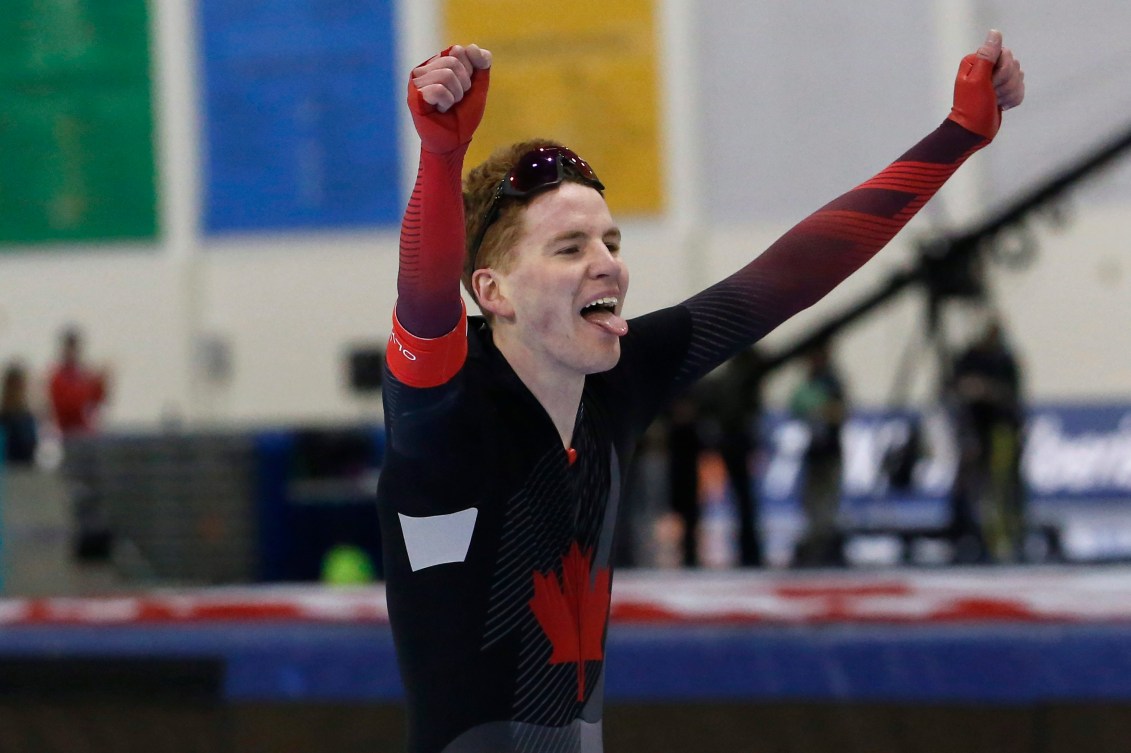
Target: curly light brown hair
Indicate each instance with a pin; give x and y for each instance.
(478, 190)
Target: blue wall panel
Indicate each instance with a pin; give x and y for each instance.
(300, 101)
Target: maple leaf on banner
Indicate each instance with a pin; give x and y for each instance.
(573, 613)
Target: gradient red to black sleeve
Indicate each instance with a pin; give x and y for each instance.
(822, 250)
(429, 342)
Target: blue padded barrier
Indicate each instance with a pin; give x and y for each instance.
(1002, 664)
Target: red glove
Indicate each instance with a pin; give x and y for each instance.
(975, 101)
(443, 132)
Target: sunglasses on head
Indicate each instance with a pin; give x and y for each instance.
(539, 169)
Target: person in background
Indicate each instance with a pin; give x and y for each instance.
(684, 446)
(820, 402)
(987, 499)
(734, 405)
(76, 394)
(17, 422)
(76, 391)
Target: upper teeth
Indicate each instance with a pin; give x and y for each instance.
(609, 301)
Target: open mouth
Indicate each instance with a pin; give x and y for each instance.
(607, 305)
(603, 313)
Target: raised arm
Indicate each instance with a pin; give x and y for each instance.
(810, 260)
(446, 97)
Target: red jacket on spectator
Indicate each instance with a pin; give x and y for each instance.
(76, 394)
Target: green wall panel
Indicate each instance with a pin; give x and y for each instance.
(76, 124)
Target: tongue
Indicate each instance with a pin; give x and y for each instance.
(609, 321)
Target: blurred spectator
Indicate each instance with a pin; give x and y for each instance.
(820, 402)
(987, 499)
(76, 391)
(16, 419)
(684, 445)
(736, 402)
(644, 501)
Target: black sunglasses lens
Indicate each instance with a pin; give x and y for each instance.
(543, 167)
(581, 166)
(537, 169)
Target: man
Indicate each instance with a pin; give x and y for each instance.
(77, 392)
(820, 401)
(987, 498)
(509, 434)
(739, 440)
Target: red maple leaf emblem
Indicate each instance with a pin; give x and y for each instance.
(573, 613)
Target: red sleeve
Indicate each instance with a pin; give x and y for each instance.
(430, 310)
(811, 259)
(432, 247)
(836, 240)
(426, 362)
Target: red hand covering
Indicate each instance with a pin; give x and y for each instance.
(443, 132)
(975, 103)
(428, 344)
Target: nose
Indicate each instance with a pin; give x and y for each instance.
(603, 262)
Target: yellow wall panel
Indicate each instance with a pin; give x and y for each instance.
(583, 73)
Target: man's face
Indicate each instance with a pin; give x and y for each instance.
(566, 284)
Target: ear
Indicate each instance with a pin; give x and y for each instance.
(489, 287)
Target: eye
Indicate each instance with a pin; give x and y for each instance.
(568, 250)
(614, 247)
